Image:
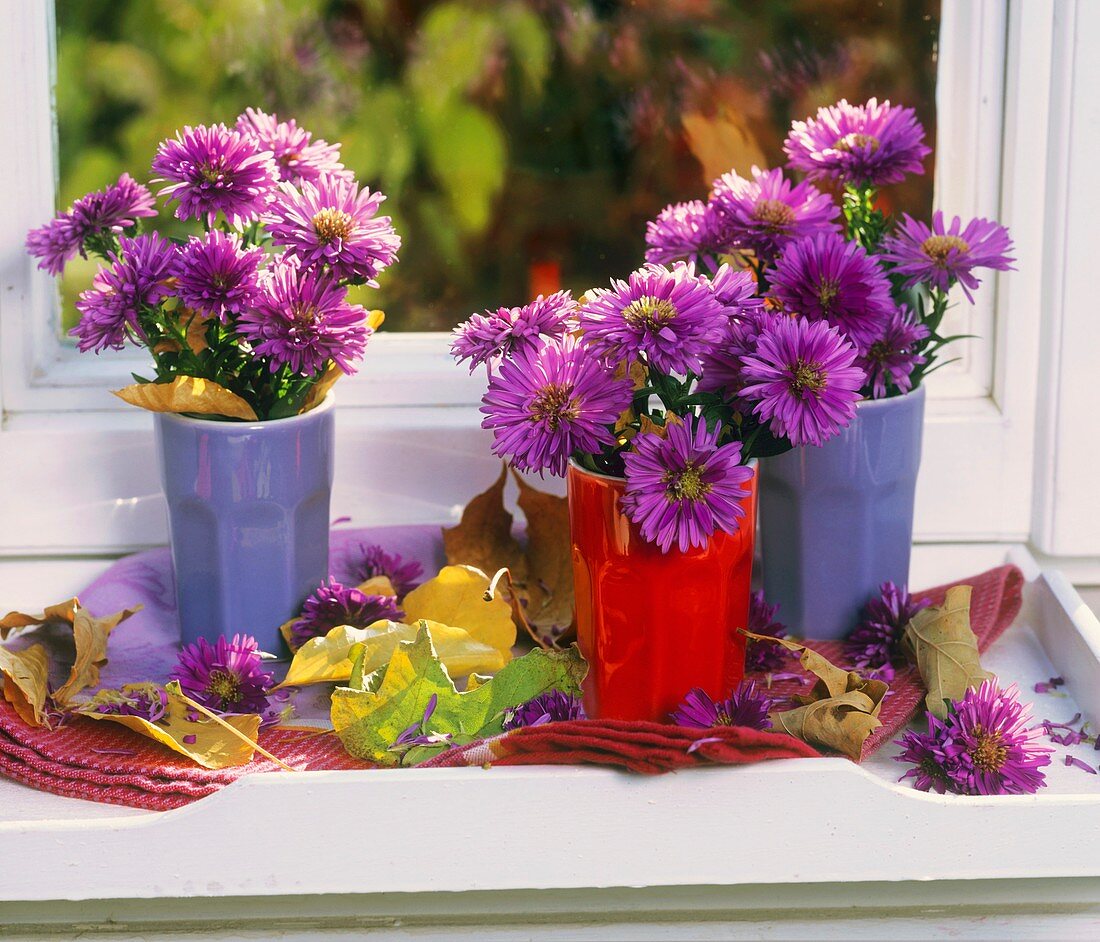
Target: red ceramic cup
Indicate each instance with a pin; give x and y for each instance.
(653, 625)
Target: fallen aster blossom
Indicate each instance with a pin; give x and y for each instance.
(803, 379)
(418, 734)
(226, 677)
(858, 144)
(892, 357)
(874, 645)
(829, 278)
(217, 275)
(298, 157)
(545, 404)
(767, 212)
(486, 338)
(683, 486)
(334, 224)
(1047, 686)
(375, 561)
(554, 706)
(940, 257)
(149, 701)
(669, 315)
(333, 605)
(744, 707)
(1071, 736)
(924, 752)
(212, 169)
(690, 231)
(1080, 763)
(762, 657)
(301, 318)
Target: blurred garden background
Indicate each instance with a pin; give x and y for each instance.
(522, 144)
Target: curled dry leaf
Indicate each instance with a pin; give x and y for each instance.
(62, 611)
(549, 559)
(188, 394)
(940, 641)
(26, 682)
(483, 537)
(90, 636)
(840, 711)
(202, 740)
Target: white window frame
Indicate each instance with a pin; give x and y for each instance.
(77, 471)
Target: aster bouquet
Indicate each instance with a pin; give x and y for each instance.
(249, 316)
(822, 252)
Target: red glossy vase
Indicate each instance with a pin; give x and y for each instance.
(653, 625)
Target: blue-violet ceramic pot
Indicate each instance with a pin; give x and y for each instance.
(248, 519)
(837, 521)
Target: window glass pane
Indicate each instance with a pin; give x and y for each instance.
(523, 144)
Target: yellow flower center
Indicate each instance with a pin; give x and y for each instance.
(332, 224)
(938, 247)
(806, 376)
(224, 685)
(774, 214)
(989, 754)
(851, 141)
(210, 173)
(649, 313)
(304, 314)
(826, 294)
(686, 484)
(554, 404)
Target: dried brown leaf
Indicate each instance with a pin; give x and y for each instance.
(483, 537)
(940, 641)
(62, 611)
(549, 558)
(188, 394)
(26, 682)
(90, 636)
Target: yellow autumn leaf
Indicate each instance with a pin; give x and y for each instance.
(26, 682)
(188, 394)
(378, 585)
(62, 611)
(204, 741)
(457, 597)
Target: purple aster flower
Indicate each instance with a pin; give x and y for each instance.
(212, 169)
(333, 223)
(892, 357)
(298, 157)
(114, 209)
(735, 290)
(552, 707)
(691, 231)
(803, 379)
(924, 751)
(225, 677)
(762, 657)
(765, 213)
(744, 707)
(149, 701)
(722, 364)
(55, 243)
(940, 257)
(829, 278)
(682, 486)
(375, 561)
(486, 338)
(548, 403)
(302, 318)
(875, 643)
(218, 275)
(672, 316)
(333, 605)
(988, 747)
(139, 277)
(858, 144)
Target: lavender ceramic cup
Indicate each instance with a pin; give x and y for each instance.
(248, 518)
(837, 521)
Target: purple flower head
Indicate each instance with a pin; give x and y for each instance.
(672, 316)
(218, 275)
(114, 209)
(139, 277)
(333, 605)
(892, 357)
(486, 338)
(858, 144)
(722, 364)
(939, 256)
(691, 231)
(55, 243)
(212, 169)
(149, 701)
(302, 318)
(765, 213)
(298, 157)
(548, 403)
(762, 657)
(375, 561)
(924, 751)
(744, 707)
(875, 643)
(988, 747)
(829, 278)
(803, 379)
(735, 290)
(333, 224)
(681, 487)
(225, 677)
(552, 707)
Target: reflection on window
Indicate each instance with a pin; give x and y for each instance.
(523, 143)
